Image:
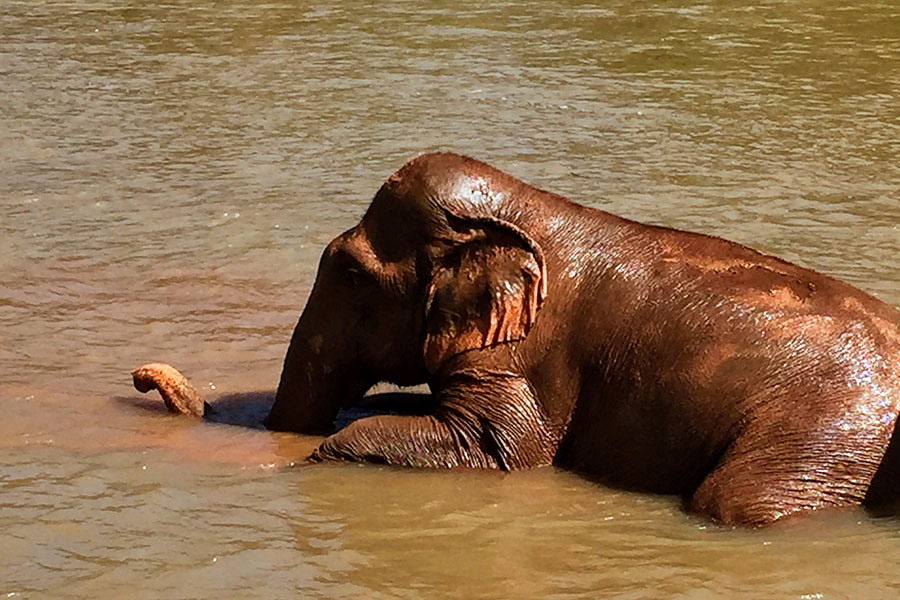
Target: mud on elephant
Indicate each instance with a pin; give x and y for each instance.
(553, 333)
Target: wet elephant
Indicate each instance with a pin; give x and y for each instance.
(554, 333)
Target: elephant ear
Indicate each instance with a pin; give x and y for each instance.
(488, 281)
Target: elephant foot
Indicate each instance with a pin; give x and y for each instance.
(176, 391)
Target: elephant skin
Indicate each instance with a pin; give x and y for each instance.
(553, 333)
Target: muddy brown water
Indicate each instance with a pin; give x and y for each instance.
(169, 173)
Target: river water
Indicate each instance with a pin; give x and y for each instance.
(169, 173)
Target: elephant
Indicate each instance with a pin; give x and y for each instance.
(552, 333)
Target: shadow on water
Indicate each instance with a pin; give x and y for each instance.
(246, 409)
(387, 403)
(249, 409)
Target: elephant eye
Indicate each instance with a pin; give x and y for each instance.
(350, 269)
(354, 276)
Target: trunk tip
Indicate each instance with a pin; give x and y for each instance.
(176, 391)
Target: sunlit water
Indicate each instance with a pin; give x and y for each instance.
(170, 173)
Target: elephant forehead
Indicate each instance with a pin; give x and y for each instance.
(392, 230)
(474, 194)
(411, 208)
(457, 183)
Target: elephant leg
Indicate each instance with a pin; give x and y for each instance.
(422, 441)
(728, 496)
(484, 419)
(770, 483)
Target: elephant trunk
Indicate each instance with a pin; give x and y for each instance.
(176, 391)
(314, 383)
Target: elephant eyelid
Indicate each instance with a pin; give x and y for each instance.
(345, 260)
(352, 268)
(357, 270)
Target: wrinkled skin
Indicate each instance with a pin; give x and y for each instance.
(550, 332)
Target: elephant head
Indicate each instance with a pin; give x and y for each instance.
(440, 265)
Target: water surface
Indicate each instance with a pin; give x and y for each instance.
(170, 172)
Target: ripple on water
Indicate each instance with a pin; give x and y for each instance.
(131, 138)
